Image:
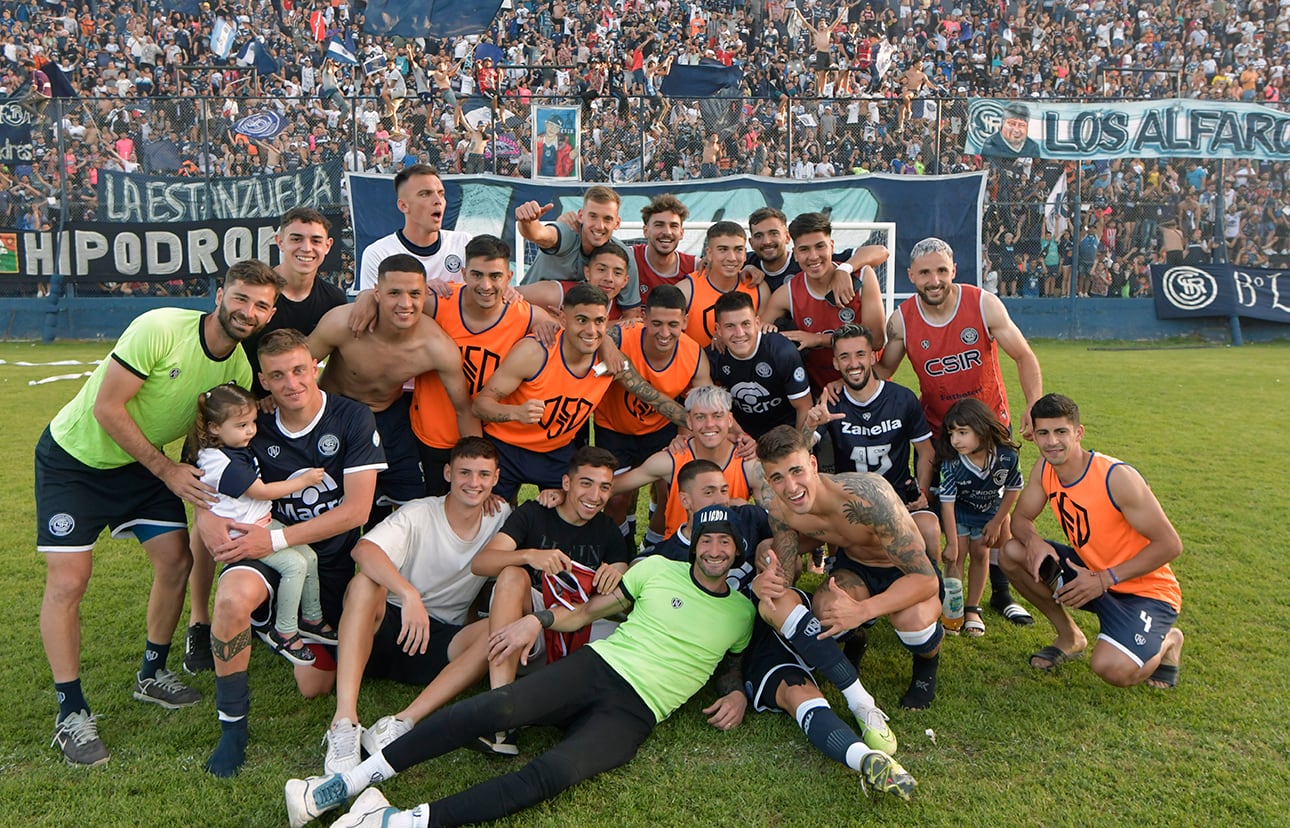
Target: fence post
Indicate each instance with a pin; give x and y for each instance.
(57, 280)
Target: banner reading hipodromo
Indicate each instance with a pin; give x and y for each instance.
(133, 252)
(1184, 291)
(947, 206)
(1173, 128)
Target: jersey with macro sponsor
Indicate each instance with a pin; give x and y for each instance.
(675, 635)
(1096, 528)
(445, 259)
(341, 439)
(818, 314)
(700, 320)
(732, 470)
(875, 435)
(763, 384)
(433, 420)
(956, 360)
(568, 400)
(620, 410)
(651, 278)
(976, 490)
(166, 348)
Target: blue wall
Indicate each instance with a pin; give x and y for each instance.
(1132, 319)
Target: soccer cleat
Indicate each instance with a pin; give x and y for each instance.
(342, 740)
(308, 799)
(886, 775)
(370, 810)
(292, 648)
(875, 731)
(501, 743)
(386, 730)
(77, 736)
(165, 689)
(319, 632)
(197, 650)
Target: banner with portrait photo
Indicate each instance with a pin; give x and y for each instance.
(556, 154)
(1173, 128)
(1184, 291)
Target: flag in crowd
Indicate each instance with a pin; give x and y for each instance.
(222, 34)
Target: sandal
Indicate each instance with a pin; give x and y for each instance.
(973, 628)
(1055, 656)
(291, 648)
(1015, 613)
(319, 632)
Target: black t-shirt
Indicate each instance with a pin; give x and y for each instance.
(302, 315)
(533, 526)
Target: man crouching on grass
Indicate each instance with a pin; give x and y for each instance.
(1117, 564)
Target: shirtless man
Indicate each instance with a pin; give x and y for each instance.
(822, 38)
(882, 564)
(911, 83)
(372, 369)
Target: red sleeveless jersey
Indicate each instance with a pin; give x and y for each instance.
(1097, 529)
(956, 360)
(481, 352)
(700, 323)
(650, 278)
(620, 410)
(815, 314)
(569, 399)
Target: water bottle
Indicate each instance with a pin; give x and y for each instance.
(952, 610)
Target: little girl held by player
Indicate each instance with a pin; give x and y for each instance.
(222, 433)
(980, 482)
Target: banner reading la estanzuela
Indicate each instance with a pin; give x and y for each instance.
(1182, 291)
(1172, 128)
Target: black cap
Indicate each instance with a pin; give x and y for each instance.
(715, 519)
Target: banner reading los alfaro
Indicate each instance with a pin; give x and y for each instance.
(1182, 291)
(133, 197)
(948, 206)
(1173, 128)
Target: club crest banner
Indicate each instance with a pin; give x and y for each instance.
(1183, 291)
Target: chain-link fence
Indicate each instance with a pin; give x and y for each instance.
(1031, 238)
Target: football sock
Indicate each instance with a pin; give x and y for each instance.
(922, 685)
(154, 659)
(829, 733)
(371, 770)
(232, 703)
(627, 529)
(70, 698)
(653, 538)
(800, 630)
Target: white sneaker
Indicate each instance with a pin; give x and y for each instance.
(386, 730)
(370, 810)
(342, 740)
(307, 799)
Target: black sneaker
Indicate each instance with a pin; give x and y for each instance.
(198, 657)
(165, 689)
(319, 632)
(292, 648)
(501, 743)
(78, 737)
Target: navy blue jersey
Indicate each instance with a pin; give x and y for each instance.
(341, 439)
(875, 436)
(774, 280)
(978, 491)
(754, 527)
(762, 384)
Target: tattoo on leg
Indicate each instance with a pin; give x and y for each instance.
(226, 650)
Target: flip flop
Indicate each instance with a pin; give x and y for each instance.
(1166, 674)
(1016, 613)
(1055, 656)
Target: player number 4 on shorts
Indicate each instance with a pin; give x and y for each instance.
(1146, 621)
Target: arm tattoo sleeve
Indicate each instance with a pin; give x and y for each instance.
(730, 674)
(646, 393)
(226, 650)
(873, 503)
(787, 549)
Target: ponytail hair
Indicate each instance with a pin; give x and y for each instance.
(214, 407)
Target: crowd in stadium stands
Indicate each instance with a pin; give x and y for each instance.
(149, 75)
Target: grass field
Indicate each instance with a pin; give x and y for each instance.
(1012, 746)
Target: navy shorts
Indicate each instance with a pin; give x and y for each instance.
(74, 502)
(332, 582)
(517, 466)
(769, 660)
(878, 579)
(633, 449)
(402, 480)
(389, 661)
(1134, 625)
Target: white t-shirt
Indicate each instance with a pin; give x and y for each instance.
(427, 552)
(230, 472)
(444, 260)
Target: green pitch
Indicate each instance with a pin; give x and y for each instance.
(1013, 746)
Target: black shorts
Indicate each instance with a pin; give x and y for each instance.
(433, 461)
(402, 480)
(517, 466)
(74, 502)
(878, 579)
(389, 661)
(332, 582)
(768, 661)
(633, 449)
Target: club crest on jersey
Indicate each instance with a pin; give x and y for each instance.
(969, 336)
(725, 369)
(1000, 477)
(846, 316)
(867, 415)
(677, 603)
(328, 444)
(925, 344)
(452, 263)
(763, 370)
(799, 374)
(61, 525)
(808, 322)
(274, 451)
(174, 373)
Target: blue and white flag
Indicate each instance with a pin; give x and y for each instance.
(222, 34)
(374, 64)
(262, 125)
(337, 51)
(255, 54)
